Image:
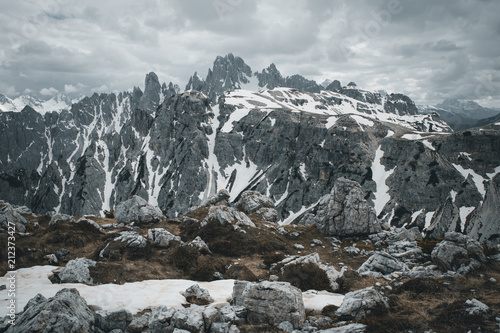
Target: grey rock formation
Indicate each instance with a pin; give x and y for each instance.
(457, 252)
(334, 86)
(484, 223)
(137, 210)
(270, 77)
(227, 73)
(77, 271)
(446, 219)
(131, 239)
(228, 216)
(150, 100)
(283, 302)
(200, 244)
(60, 218)
(381, 263)
(189, 319)
(197, 295)
(253, 202)
(357, 304)
(162, 238)
(345, 212)
(66, 312)
(117, 319)
(9, 217)
(160, 319)
(313, 258)
(105, 149)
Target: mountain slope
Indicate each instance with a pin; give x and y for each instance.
(288, 144)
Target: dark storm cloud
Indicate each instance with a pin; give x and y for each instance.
(430, 50)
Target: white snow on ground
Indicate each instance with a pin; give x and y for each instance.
(464, 212)
(428, 144)
(134, 296)
(496, 172)
(478, 179)
(415, 215)
(497, 124)
(362, 121)
(466, 155)
(379, 176)
(411, 137)
(317, 300)
(293, 215)
(428, 219)
(453, 195)
(389, 134)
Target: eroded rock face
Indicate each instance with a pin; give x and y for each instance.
(344, 212)
(270, 302)
(66, 312)
(484, 224)
(359, 303)
(458, 252)
(137, 210)
(446, 219)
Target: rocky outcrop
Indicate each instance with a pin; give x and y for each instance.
(66, 312)
(130, 239)
(483, 224)
(77, 271)
(283, 302)
(9, 217)
(446, 219)
(379, 264)
(228, 216)
(197, 295)
(253, 202)
(137, 210)
(162, 238)
(109, 320)
(458, 253)
(357, 304)
(344, 212)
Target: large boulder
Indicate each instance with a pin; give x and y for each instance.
(270, 302)
(189, 319)
(228, 216)
(458, 253)
(253, 202)
(137, 210)
(66, 312)
(344, 212)
(311, 276)
(131, 239)
(10, 214)
(162, 238)
(77, 271)
(357, 304)
(379, 264)
(197, 295)
(108, 320)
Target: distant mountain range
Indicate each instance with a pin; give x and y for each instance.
(462, 115)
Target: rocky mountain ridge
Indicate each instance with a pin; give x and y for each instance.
(290, 143)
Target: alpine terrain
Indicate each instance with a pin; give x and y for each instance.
(250, 202)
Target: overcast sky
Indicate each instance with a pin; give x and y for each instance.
(427, 49)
